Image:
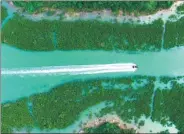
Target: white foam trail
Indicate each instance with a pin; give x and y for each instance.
(72, 69)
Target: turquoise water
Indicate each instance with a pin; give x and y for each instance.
(164, 63)
(167, 63)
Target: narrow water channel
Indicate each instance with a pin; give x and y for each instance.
(163, 63)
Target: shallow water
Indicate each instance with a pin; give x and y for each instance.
(155, 127)
(136, 84)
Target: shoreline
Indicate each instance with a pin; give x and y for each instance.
(103, 15)
(147, 127)
(111, 118)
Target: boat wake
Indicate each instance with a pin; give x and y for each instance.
(72, 69)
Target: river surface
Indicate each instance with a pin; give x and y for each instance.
(163, 63)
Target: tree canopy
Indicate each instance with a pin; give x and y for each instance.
(126, 6)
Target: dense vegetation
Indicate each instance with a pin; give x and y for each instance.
(109, 36)
(16, 116)
(109, 128)
(126, 6)
(27, 34)
(61, 106)
(180, 9)
(82, 35)
(4, 13)
(174, 35)
(91, 35)
(168, 104)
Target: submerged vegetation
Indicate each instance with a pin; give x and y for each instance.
(4, 13)
(108, 128)
(61, 106)
(82, 35)
(145, 7)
